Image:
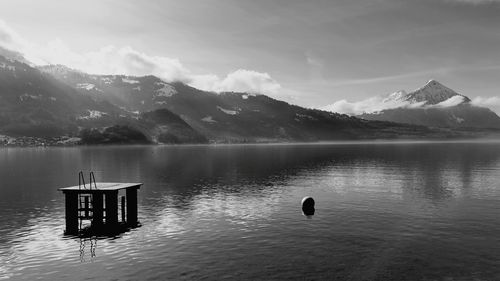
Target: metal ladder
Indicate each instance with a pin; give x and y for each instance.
(85, 206)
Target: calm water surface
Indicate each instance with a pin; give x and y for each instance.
(405, 211)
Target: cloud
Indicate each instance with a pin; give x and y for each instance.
(128, 61)
(453, 101)
(315, 65)
(241, 80)
(109, 60)
(9, 39)
(378, 103)
(370, 105)
(492, 103)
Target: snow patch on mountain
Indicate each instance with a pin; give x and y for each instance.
(25, 97)
(85, 86)
(208, 119)
(457, 119)
(130, 81)
(8, 67)
(227, 111)
(166, 90)
(396, 96)
(93, 114)
(107, 80)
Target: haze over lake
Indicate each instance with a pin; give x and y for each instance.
(386, 211)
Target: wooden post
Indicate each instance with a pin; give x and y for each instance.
(123, 209)
(97, 209)
(131, 194)
(111, 207)
(71, 212)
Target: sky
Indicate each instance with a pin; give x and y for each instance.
(310, 53)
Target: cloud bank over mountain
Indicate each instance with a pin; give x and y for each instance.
(492, 103)
(129, 61)
(379, 103)
(241, 80)
(432, 95)
(370, 105)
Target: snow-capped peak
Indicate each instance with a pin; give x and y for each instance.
(431, 93)
(433, 85)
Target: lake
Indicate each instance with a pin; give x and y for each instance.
(384, 211)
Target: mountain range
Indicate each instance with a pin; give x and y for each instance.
(435, 105)
(54, 100)
(223, 117)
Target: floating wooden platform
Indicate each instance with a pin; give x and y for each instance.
(100, 206)
(101, 187)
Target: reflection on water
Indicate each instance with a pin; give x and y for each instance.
(382, 212)
(87, 249)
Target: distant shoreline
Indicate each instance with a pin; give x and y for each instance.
(43, 143)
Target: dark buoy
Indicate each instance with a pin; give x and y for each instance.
(308, 206)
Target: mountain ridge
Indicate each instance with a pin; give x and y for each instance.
(131, 109)
(228, 116)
